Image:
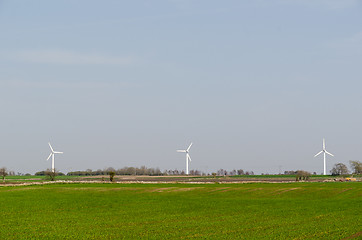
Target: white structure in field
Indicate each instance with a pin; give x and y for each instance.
(188, 158)
(324, 151)
(52, 155)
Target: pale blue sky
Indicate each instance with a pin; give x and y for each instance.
(254, 84)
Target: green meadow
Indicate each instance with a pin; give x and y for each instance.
(330, 210)
(32, 178)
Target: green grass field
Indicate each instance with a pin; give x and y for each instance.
(32, 178)
(182, 211)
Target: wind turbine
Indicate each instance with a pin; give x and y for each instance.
(324, 151)
(187, 158)
(52, 155)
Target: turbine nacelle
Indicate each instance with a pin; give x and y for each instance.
(185, 151)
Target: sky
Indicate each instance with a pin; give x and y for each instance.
(255, 85)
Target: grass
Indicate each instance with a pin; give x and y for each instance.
(169, 211)
(32, 178)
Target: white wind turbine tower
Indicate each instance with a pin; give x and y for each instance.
(324, 151)
(52, 155)
(188, 158)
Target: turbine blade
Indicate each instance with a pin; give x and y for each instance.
(181, 151)
(330, 154)
(59, 152)
(49, 156)
(318, 153)
(188, 156)
(324, 143)
(189, 147)
(51, 147)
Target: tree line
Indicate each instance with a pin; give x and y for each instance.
(122, 171)
(342, 169)
(338, 169)
(155, 172)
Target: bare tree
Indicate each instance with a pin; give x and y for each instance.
(51, 174)
(339, 169)
(302, 175)
(89, 172)
(233, 172)
(356, 167)
(3, 173)
(240, 172)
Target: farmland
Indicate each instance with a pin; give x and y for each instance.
(172, 179)
(157, 211)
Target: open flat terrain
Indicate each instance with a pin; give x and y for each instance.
(174, 179)
(182, 211)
